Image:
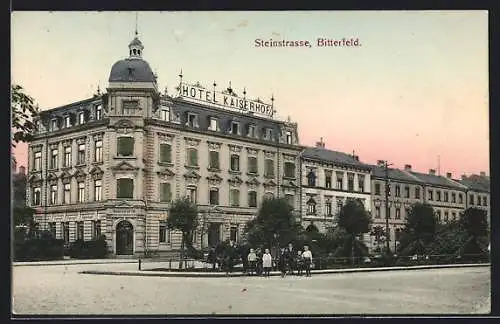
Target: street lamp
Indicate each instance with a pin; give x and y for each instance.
(387, 204)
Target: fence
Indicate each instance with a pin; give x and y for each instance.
(322, 263)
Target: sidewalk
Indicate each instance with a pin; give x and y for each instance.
(74, 261)
(147, 273)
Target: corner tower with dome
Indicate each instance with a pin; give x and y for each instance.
(112, 164)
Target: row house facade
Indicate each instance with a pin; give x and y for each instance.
(478, 192)
(113, 164)
(328, 179)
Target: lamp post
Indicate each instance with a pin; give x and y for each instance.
(387, 204)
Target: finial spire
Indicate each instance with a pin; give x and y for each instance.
(136, 24)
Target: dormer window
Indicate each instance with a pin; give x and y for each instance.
(192, 120)
(67, 121)
(98, 112)
(165, 114)
(251, 130)
(235, 128)
(53, 124)
(81, 118)
(213, 124)
(288, 137)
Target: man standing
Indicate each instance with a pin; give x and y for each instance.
(290, 256)
(307, 256)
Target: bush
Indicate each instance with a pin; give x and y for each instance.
(93, 249)
(40, 249)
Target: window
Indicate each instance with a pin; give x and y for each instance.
(485, 201)
(377, 188)
(165, 153)
(311, 179)
(214, 196)
(398, 213)
(235, 128)
(191, 194)
(471, 199)
(252, 199)
(125, 188)
(53, 159)
(350, 182)
(98, 112)
(446, 196)
(98, 151)
(37, 195)
(81, 118)
(417, 193)
(165, 114)
(251, 130)
(289, 169)
(407, 192)
(328, 208)
(438, 213)
(192, 156)
(213, 126)
(361, 183)
(339, 204)
(454, 216)
(52, 229)
(289, 137)
(446, 216)
(438, 195)
(65, 231)
(192, 120)
(269, 168)
(269, 134)
(53, 194)
(453, 197)
(311, 207)
(214, 160)
(268, 195)
(377, 212)
(252, 164)
(96, 229)
(79, 230)
(397, 190)
(431, 195)
(81, 191)
(67, 121)
(129, 107)
(478, 199)
(340, 181)
(67, 156)
(81, 154)
(234, 197)
(233, 234)
(460, 198)
(97, 190)
(328, 179)
(37, 165)
(164, 233)
(125, 146)
(235, 162)
(67, 193)
(165, 192)
(53, 124)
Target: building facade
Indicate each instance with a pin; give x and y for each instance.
(113, 164)
(478, 192)
(328, 179)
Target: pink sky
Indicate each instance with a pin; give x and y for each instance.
(416, 89)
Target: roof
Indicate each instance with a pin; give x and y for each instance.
(437, 180)
(336, 157)
(476, 185)
(395, 174)
(131, 70)
(135, 41)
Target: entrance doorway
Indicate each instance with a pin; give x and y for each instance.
(124, 238)
(214, 234)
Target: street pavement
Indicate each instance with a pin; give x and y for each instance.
(62, 290)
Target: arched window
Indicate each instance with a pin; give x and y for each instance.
(311, 206)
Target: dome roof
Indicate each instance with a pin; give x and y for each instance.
(131, 70)
(135, 41)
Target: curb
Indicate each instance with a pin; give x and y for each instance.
(69, 263)
(146, 273)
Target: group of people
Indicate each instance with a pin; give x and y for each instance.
(288, 261)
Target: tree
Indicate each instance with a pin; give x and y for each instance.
(183, 217)
(473, 221)
(274, 217)
(378, 232)
(354, 218)
(23, 111)
(419, 231)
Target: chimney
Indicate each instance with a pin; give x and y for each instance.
(464, 177)
(380, 163)
(320, 144)
(482, 174)
(408, 167)
(448, 175)
(22, 170)
(356, 157)
(432, 172)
